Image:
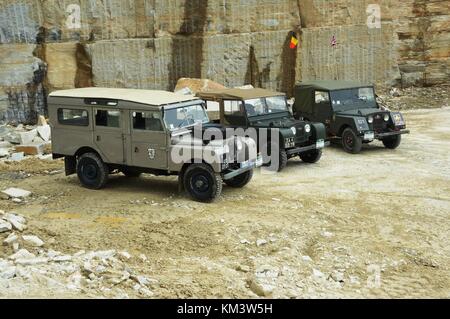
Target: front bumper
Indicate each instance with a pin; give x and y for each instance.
(318, 145)
(379, 136)
(244, 167)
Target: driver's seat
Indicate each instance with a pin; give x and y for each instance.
(153, 124)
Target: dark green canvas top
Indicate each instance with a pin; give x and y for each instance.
(332, 85)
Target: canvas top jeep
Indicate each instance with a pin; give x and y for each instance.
(350, 112)
(100, 131)
(267, 110)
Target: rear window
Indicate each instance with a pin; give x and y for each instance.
(75, 117)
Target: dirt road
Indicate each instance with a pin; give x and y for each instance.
(369, 225)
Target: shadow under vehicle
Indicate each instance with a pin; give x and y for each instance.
(350, 113)
(100, 131)
(266, 110)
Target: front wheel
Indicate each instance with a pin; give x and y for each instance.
(91, 171)
(202, 183)
(392, 142)
(351, 142)
(311, 156)
(240, 180)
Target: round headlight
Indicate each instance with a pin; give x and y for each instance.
(386, 117)
(307, 128)
(239, 145)
(294, 130)
(370, 119)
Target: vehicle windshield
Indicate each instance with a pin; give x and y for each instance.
(264, 106)
(352, 99)
(185, 116)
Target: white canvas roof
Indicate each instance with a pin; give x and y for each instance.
(150, 97)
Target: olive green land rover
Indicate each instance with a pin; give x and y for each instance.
(101, 131)
(350, 112)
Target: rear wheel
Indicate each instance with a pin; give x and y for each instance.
(240, 180)
(392, 142)
(351, 142)
(311, 156)
(91, 171)
(202, 183)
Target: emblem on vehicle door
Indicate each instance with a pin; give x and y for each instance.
(151, 153)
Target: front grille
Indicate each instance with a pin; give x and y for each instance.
(379, 125)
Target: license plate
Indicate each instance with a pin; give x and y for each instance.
(320, 144)
(369, 136)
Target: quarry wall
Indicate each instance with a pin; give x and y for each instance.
(48, 45)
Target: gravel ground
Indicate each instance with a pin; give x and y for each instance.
(370, 225)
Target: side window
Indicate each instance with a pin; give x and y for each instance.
(233, 108)
(322, 97)
(75, 117)
(148, 121)
(107, 118)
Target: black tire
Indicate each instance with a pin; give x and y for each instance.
(351, 142)
(240, 180)
(131, 173)
(282, 159)
(91, 171)
(392, 142)
(311, 156)
(202, 183)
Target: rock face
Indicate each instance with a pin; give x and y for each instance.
(50, 44)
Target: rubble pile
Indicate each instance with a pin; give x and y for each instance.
(24, 140)
(27, 263)
(415, 97)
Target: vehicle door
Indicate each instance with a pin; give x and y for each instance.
(234, 113)
(108, 134)
(149, 147)
(322, 109)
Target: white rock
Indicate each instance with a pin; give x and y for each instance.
(5, 144)
(261, 242)
(16, 246)
(22, 254)
(61, 259)
(318, 273)
(12, 238)
(16, 192)
(44, 132)
(5, 226)
(8, 272)
(146, 292)
(327, 234)
(143, 258)
(27, 137)
(33, 240)
(124, 255)
(276, 199)
(245, 242)
(18, 222)
(337, 276)
(17, 200)
(4, 152)
(17, 157)
(31, 261)
(261, 289)
(307, 258)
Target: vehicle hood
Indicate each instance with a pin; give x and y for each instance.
(278, 122)
(361, 112)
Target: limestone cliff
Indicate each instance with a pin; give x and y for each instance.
(47, 45)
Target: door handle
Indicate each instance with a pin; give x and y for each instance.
(136, 150)
(98, 138)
